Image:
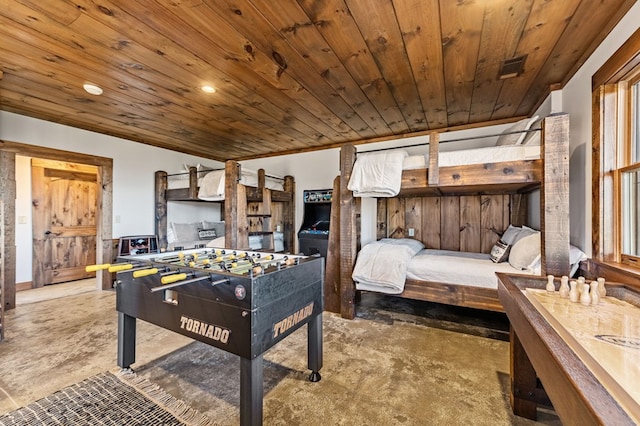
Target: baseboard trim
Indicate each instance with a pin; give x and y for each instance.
(27, 285)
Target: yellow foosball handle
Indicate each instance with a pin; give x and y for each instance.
(120, 267)
(145, 272)
(94, 268)
(168, 279)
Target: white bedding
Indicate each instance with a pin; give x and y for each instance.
(377, 174)
(214, 180)
(490, 154)
(382, 265)
(455, 267)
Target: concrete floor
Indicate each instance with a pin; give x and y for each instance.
(396, 363)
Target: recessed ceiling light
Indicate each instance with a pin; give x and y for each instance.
(208, 89)
(92, 89)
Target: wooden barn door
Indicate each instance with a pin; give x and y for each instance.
(64, 220)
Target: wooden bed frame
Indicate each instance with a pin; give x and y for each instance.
(479, 183)
(247, 210)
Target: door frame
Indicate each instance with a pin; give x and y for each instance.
(104, 211)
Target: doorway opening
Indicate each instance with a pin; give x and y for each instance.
(102, 243)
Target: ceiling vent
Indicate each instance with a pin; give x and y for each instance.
(512, 67)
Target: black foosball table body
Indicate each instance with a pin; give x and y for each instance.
(244, 313)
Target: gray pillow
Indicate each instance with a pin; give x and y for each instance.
(185, 231)
(525, 252)
(511, 234)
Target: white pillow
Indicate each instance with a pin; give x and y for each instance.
(533, 138)
(516, 138)
(525, 252)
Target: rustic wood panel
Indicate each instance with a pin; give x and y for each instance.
(65, 203)
(517, 214)
(450, 223)
(161, 208)
(385, 41)
(8, 197)
(431, 222)
(554, 201)
(451, 294)
(290, 76)
(500, 18)
(461, 29)
(546, 21)
(289, 215)
(413, 217)
(470, 224)
(396, 226)
(492, 221)
(332, 267)
(381, 218)
(424, 50)
(348, 234)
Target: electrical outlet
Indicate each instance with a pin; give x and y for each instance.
(412, 232)
(117, 219)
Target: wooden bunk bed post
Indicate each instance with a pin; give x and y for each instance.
(289, 216)
(348, 237)
(232, 177)
(433, 178)
(554, 196)
(161, 180)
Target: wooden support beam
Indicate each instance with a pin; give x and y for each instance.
(232, 177)
(161, 180)
(348, 235)
(554, 196)
(434, 171)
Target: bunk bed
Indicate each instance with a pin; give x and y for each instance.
(259, 210)
(463, 209)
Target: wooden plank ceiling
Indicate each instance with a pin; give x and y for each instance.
(290, 75)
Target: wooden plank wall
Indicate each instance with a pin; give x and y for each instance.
(470, 223)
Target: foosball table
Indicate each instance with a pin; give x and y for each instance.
(242, 302)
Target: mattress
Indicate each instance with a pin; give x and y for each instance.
(490, 154)
(247, 178)
(455, 267)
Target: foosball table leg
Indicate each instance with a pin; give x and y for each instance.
(126, 340)
(251, 388)
(314, 347)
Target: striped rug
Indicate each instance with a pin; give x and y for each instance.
(107, 399)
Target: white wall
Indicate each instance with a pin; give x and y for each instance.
(576, 101)
(134, 165)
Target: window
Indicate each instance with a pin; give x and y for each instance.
(630, 180)
(616, 157)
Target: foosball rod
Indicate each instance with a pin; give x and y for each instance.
(189, 281)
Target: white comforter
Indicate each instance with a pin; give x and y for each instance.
(377, 174)
(382, 265)
(212, 186)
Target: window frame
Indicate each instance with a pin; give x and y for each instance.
(612, 154)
